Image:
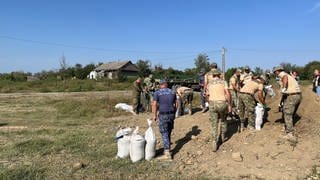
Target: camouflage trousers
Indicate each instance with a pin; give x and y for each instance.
(166, 124)
(136, 103)
(234, 97)
(147, 99)
(187, 100)
(184, 101)
(247, 105)
(290, 106)
(218, 110)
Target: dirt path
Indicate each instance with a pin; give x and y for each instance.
(266, 154)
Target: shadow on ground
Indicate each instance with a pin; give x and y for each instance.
(181, 142)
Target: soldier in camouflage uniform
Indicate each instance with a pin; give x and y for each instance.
(185, 96)
(149, 87)
(208, 75)
(219, 105)
(234, 86)
(246, 75)
(247, 102)
(291, 93)
(136, 95)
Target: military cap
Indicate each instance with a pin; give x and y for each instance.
(162, 81)
(238, 70)
(262, 77)
(215, 72)
(246, 68)
(214, 65)
(278, 68)
(202, 70)
(150, 76)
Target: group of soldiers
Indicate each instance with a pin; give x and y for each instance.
(245, 90)
(143, 92)
(236, 99)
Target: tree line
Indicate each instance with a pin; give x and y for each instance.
(145, 68)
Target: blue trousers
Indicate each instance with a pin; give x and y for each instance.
(166, 124)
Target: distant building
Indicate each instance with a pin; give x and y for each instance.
(32, 78)
(112, 70)
(93, 75)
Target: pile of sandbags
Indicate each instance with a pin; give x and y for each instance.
(135, 145)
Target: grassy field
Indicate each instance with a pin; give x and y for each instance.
(67, 135)
(70, 85)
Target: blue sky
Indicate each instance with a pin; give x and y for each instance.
(264, 33)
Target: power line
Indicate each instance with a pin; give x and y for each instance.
(98, 48)
(273, 50)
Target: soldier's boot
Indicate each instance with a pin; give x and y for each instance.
(214, 146)
(166, 156)
(190, 109)
(289, 136)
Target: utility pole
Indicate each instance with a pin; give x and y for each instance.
(223, 52)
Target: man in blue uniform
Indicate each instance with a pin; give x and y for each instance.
(163, 108)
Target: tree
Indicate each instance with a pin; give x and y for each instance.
(258, 70)
(190, 72)
(63, 63)
(63, 67)
(144, 67)
(287, 67)
(202, 61)
(310, 67)
(229, 73)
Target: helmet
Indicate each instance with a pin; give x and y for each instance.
(215, 72)
(278, 68)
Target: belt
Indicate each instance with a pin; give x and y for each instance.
(169, 112)
(296, 93)
(246, 93)
(218, 101)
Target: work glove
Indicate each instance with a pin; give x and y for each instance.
(265, 107)
(284, 90)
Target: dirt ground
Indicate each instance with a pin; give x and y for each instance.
(266, 154)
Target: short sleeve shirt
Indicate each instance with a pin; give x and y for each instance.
(166, 99)
(216, 89)
(251, 87)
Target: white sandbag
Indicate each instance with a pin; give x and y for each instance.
(123, 142)
(137, 144)
(150, 137)
(125, 107)
(270, 91)
(259, 111)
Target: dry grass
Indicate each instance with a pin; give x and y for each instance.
(64, 129)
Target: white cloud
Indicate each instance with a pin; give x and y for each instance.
(314, 8)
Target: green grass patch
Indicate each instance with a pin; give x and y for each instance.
(34, 146)
(68, 85)
(22, 172)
